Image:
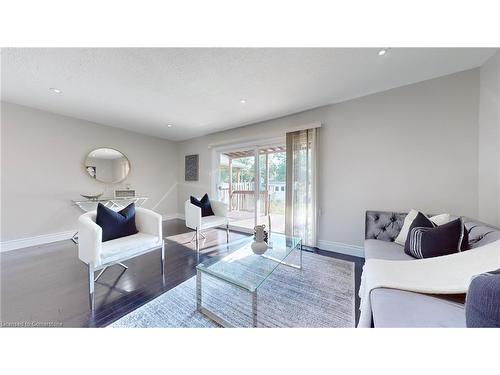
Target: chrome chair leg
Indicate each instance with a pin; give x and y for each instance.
(105, 268)
(74, 238)
(100, 273)
(91, 286)
(201, 235)
(197, 234)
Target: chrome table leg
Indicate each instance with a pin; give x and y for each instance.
(198, 290)
(254, 308)
(163, 257)
(300, 267)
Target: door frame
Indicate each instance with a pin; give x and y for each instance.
(253, 145)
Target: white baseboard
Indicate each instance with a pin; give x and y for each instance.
(342, 248)
(171, 216)
(54, 237)
(337, 247)
(35, 241)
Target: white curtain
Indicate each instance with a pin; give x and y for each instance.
(301, 184)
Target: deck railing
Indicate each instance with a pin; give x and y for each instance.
(243, 197)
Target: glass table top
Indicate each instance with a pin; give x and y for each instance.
(236, 263)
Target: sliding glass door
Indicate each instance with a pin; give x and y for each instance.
(272, 187)
(237, 186)
(252, 182)
(271, 183)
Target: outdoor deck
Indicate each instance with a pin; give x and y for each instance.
(246, 219)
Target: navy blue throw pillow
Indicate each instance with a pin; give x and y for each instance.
(420, 221)
(204, 204)
(482, 303)
(116, 224)
(449, 238)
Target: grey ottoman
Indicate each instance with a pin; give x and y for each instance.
(482, 304)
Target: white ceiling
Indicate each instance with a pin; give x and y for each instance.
(199, 90)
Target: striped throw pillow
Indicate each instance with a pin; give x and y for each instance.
(429, 242)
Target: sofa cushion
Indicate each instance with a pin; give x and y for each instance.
(480, 233)
(398, 309)
(381, 225)
(378, 249)
(127, 247)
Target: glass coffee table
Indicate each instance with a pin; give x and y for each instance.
(236, 264)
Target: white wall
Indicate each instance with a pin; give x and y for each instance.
(489, 141)
(414, 146)
(410, 147)
(43, 158)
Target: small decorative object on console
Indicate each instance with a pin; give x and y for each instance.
(94, 197)
(259, 245)
(127, 193)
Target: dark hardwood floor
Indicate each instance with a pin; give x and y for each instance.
(47, 285)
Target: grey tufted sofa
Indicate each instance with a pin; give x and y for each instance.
(398, 308)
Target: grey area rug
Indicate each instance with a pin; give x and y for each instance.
(319, 295)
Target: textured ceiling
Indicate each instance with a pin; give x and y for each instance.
(198, 90)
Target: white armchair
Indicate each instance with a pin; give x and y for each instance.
(195, 221)
(99, 255)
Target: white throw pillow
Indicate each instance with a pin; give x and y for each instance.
(441, 219)
(438, 220)
(401, 238)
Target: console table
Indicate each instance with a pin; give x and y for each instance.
(114, 203)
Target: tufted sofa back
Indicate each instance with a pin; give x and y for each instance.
(385, 226)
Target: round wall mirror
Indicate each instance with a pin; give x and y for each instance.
(107, 165)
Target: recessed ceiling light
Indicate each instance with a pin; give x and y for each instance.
(57, 91)
(169, 125)
(243, 101)
(382, 52)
